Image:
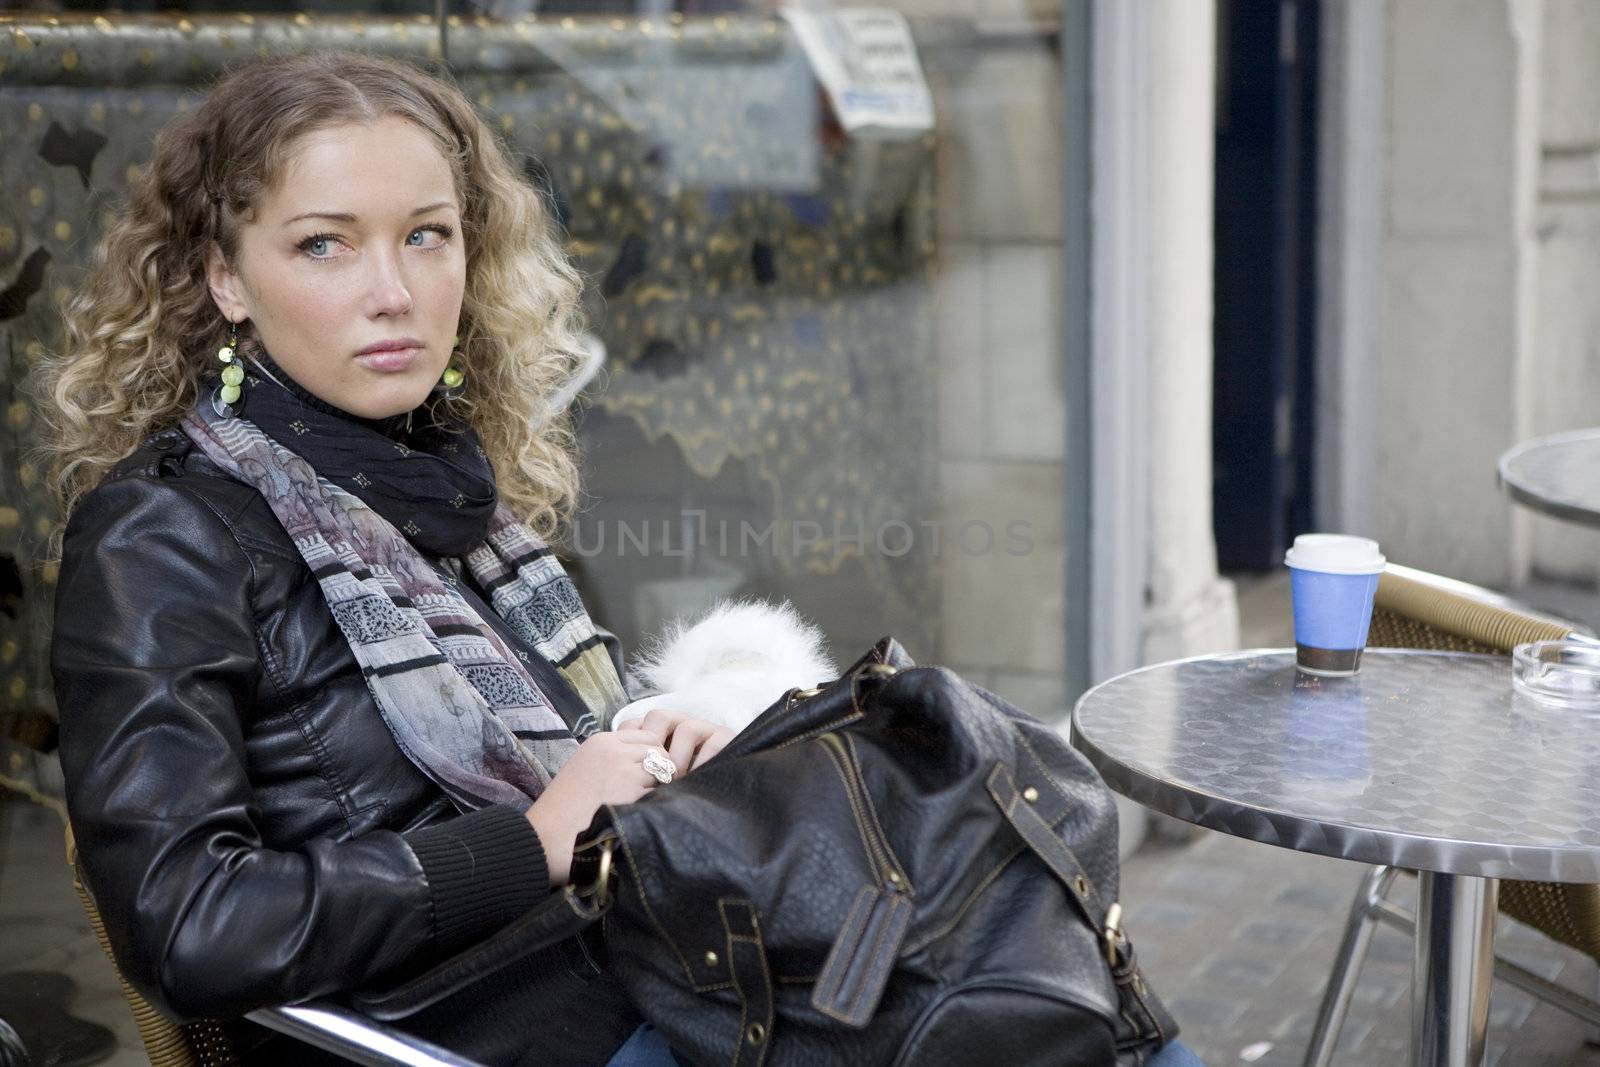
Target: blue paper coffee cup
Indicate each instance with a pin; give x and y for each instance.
(1332, 579)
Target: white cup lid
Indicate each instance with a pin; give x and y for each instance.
(1335, 554)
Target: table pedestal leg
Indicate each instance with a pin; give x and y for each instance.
(1453, 969)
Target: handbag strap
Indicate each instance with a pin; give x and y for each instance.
(1148, 1024)
(752, 980)
(558, 917)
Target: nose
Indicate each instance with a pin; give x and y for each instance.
(389, 294)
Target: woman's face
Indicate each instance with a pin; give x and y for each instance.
(357, 245)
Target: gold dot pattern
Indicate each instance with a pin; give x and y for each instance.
(813, 375)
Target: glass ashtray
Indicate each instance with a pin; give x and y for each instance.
(1563, 674)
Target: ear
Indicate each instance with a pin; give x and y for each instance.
(227, 288)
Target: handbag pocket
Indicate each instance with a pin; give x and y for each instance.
(987, 1022)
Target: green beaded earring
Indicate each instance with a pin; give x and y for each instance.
(453, 375)
(232, 372)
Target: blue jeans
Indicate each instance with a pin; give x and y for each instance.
(647, 1048)
(1176, 1054)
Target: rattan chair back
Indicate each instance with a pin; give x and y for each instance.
(1414, 609)
(168, 1044)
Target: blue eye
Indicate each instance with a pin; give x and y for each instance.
(444, 232)
(309, 245)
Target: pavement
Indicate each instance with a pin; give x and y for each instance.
(1238, 938)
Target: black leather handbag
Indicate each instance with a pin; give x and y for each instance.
(899, 868)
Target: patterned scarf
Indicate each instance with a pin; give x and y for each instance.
(423, 471)
(459, 703)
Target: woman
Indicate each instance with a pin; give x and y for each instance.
(305, 614)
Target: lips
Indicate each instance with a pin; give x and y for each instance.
(390, 356)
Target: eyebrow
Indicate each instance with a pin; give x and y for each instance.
(342, 216)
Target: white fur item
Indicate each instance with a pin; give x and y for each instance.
(729, 666)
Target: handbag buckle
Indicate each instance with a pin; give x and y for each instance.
(602, 880)
(598, 894)
(1113, 933)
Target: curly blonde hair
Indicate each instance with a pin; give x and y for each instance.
(143, 330)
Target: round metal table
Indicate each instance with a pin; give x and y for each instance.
(1558, 475)
(1424, 760)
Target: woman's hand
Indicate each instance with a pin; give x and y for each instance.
(608, 768)
(688, 741)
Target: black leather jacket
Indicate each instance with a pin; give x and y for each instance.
(248, 827)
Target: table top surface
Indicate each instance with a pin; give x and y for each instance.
(1424, 760)
(1558, 475)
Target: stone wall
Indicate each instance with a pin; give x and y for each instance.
(1565, 383)
(1491, 249)
(1459, 256)
(1002, 401)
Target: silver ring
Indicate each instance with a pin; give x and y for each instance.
(660, 765)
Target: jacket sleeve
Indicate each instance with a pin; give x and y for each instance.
(155, 661)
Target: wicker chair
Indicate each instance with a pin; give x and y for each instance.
(205, 1044)
(1414, 609)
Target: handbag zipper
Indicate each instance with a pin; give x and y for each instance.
(871, 834)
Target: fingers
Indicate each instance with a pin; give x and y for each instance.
(635, 734)
(713, 744)
(686, 740)
(624, 750)
(637, 748)
(677, 734)
(701, 740)
(661, 722)
(642, 779)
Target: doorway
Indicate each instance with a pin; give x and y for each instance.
(1264, 327)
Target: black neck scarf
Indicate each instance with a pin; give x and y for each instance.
(430, 478)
